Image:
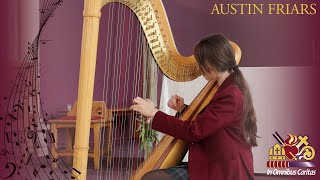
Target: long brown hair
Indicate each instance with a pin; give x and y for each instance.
(216, 53)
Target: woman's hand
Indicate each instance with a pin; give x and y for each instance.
(176, 102)
(145, 107)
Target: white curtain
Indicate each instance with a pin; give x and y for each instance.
(187, 90)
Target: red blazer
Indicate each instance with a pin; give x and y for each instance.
(217, 149)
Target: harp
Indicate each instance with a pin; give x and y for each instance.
(152, 17)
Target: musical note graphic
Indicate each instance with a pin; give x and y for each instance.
(5, 152)
(28, 83)
(52, 139)
(33, 122)
(35, 172)
(28, 67)
(12, 117)
(28, 158)
(22, 140)
(44, 41)
(16, 85)
(34, 125)
(58, 2)
(33, 93)
(31, 47)
(30, 109)
(54, 160)
(9, 136)
(23, 91)
(20, 75)
(78, 172)
(50, 173)
(42, 10)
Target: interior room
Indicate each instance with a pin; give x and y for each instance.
(69, 81)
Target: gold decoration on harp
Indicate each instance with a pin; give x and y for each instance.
(154, 22)
(153, 19)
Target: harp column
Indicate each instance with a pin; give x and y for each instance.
(91, 20)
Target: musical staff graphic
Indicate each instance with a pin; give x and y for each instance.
(24, 115)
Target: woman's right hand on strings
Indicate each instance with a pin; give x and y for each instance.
(175, 102)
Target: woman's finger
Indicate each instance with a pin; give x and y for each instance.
(134, 107)
(168, 103)
(174, 102)
(137, 107)
(137, 100)
(179, 98)
(151, 102)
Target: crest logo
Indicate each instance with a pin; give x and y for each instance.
(293, 152)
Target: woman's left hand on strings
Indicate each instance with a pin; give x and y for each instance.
(144, 106)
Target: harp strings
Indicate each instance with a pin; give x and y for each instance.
(105, 91)
(123, 78)
(120, 65)
(110, 100)
(127, 76)
(134, 143)
(117, 73)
